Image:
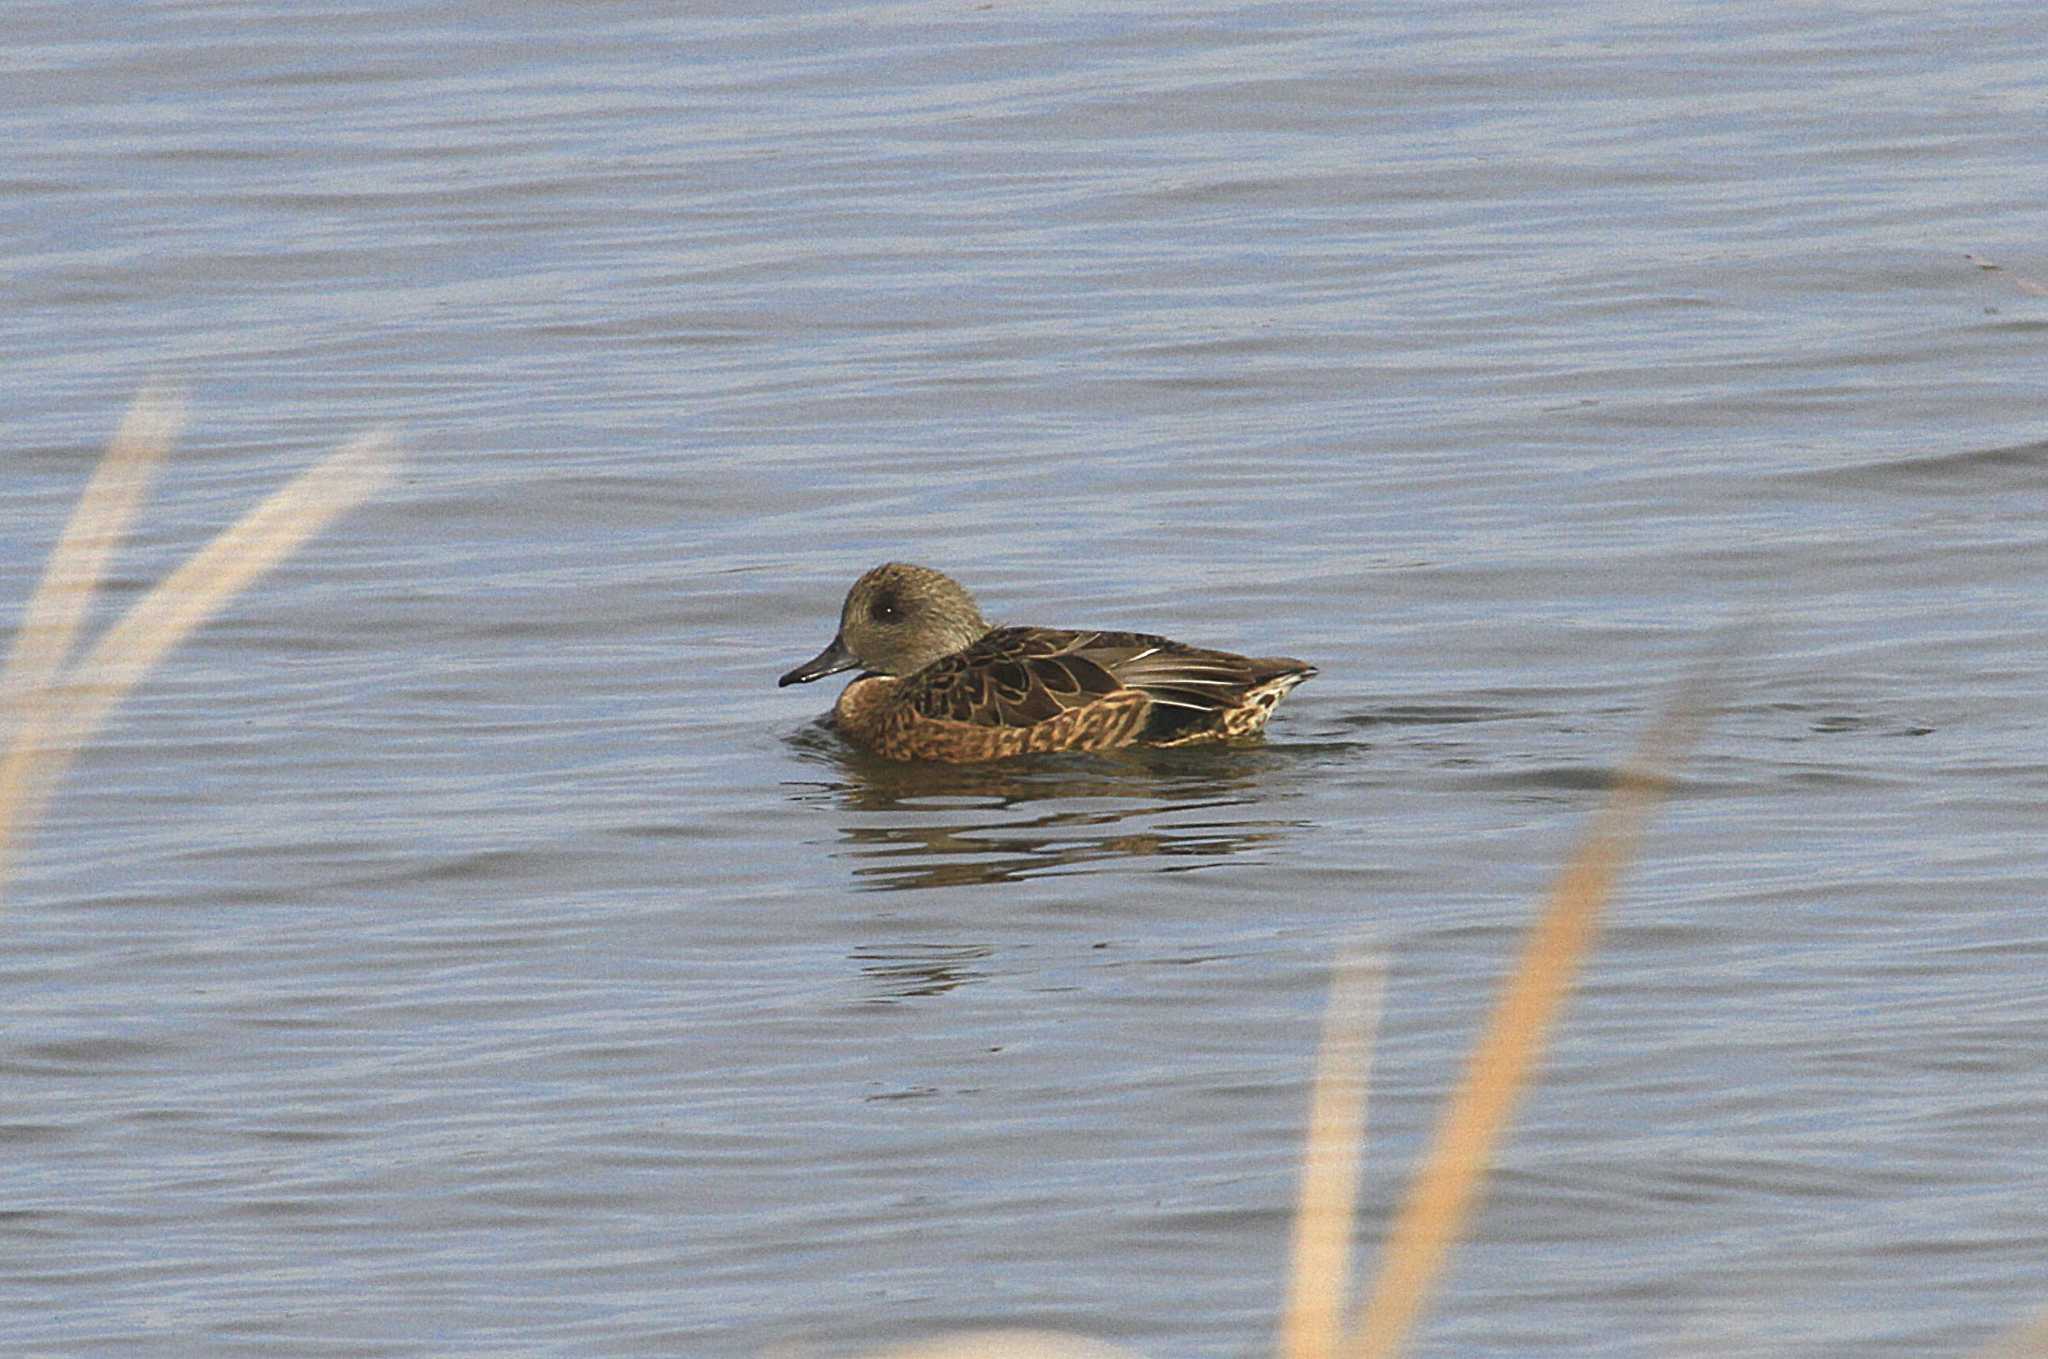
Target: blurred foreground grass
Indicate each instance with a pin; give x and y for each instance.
(52, 708)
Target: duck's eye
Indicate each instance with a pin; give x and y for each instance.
(884, 609)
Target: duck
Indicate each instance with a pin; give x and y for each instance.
(938, 682)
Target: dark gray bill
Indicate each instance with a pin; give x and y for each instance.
(833, 659)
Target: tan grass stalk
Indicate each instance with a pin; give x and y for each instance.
(71, 577)
(1311, 1322)
(61, 712)
(1447, 1186)
(215, 574)
(100, 521)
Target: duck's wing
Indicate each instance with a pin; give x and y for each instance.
(1015, 677)
(1174, 673)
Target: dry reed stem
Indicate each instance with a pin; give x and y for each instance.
(97, 525)
(58, 713)
(215, 574)
(1447, 1186)
(1311, 1322)
(70, 579)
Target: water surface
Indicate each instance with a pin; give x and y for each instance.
(463, 947)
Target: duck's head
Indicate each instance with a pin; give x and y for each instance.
(897, 620)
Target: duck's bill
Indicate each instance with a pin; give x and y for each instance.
(830, 661)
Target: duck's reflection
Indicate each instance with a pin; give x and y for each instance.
(906, 971)
(930, 825)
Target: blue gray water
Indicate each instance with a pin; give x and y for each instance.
(464, 948)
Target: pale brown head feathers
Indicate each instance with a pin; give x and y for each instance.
(897, 620)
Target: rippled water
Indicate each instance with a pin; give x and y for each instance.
(463, 947)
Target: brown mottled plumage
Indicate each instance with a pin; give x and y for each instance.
(941, 684)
